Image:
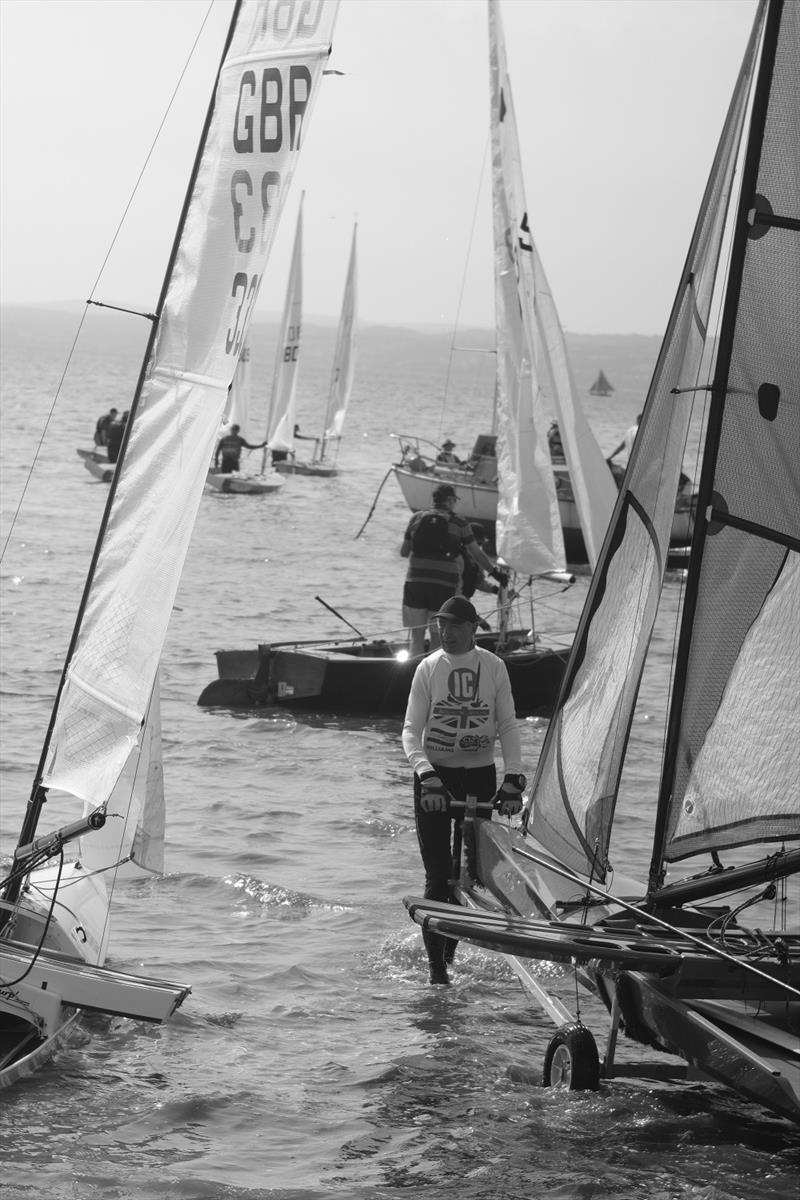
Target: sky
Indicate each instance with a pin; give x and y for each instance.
(619, 105)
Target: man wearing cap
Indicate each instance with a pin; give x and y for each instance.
(460, 703)
(433, 574)
(446, 455)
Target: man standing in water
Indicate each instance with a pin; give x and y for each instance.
(460, 703)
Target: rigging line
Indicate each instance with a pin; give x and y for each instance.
(464, 284)
(153, 145)
(49, 918)
(374, 504)
(71, 352)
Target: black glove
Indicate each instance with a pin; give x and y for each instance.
(508, 800)
(500, 575)
(433, 794)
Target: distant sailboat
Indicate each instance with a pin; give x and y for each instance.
(281, 418)
(601, 386)
(340, 386)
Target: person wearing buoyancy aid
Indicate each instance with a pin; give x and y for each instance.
(432, 543)
(229, 450)
(459, 705)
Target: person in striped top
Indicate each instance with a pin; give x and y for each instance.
(433, 541)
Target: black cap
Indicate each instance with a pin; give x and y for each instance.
(458, 608)
(443, 492)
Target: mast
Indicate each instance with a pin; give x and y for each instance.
(708, 510)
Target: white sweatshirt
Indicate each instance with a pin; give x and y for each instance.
(458, 706)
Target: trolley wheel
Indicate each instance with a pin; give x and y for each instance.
(572, 1060)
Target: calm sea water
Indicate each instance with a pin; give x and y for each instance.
(312, 1060)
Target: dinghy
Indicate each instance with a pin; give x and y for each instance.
(103, 733)
(701, 959)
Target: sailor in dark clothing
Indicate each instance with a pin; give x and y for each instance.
(101, 428)
(115, 432)
(229, 451)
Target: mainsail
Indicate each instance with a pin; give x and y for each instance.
(532, 368)
(343, 359)
(739, 657)
(580, 765)
(281, 421)
(272, 64)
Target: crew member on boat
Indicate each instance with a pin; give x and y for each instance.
(460, 703)
(446, 455)
(229, 451)
(101, 428)
(627, 442)
(432, 543)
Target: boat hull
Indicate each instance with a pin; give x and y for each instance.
(97, 465)
(319, 469)
(478, 502)
(373, 677)
(726, 1022)
(236, 484)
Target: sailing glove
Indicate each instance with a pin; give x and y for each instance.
(433, 794)
(508, 800)
(500, 575)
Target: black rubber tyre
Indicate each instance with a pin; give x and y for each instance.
(572, 1060)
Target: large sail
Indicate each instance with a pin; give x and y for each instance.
(533, 370)
(733, 764)
(280, 429)
(343, 358)
(581, 761)
(529, 534)
(268, 81)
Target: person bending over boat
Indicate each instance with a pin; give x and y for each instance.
(101, 428)
(432, 543)
(460, 703)
(229, 450)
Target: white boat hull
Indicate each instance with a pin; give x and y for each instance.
(320, 469)
(478, 502)
(237, 484)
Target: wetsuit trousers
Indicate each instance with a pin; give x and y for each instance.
(436, 833)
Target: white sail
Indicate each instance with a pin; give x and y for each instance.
(280, 429)
(579, 768)
(734, 777)
(344, 357)
(131, 843)
(238, 409)
(274, 59)
(529, 534)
